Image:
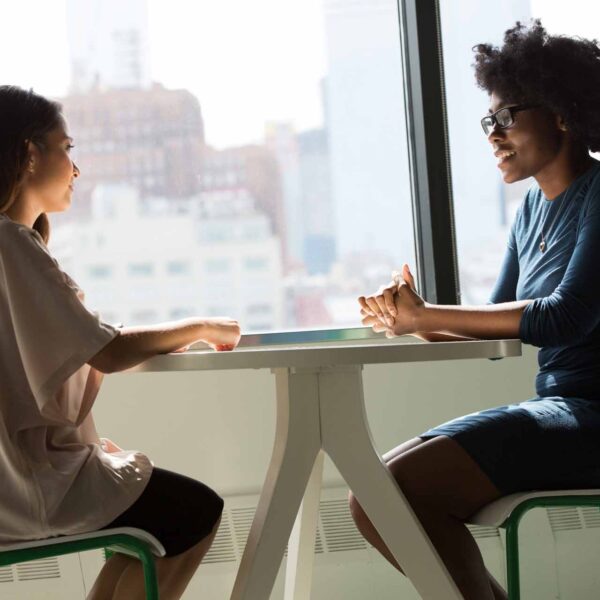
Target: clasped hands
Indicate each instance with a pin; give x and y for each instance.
(395, 308)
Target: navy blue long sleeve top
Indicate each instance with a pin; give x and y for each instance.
(564, 318)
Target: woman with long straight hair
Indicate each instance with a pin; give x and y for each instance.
(58, 476)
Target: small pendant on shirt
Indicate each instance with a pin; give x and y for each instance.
(542, 246)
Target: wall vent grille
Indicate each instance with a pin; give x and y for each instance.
(565, 518)
(46, 568)
(570, 518)
(339, 530)
(241, 519)
(591, 516)
(336, 531)
(223, 548)
(480, 533)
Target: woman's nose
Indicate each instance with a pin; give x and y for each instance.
(496, 134)
(76, 171)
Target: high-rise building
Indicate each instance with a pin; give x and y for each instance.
(212, 255)
(318, 231)
(151, 139)
(253, 168)
(108, 52)
(365, 123)
(280, 139)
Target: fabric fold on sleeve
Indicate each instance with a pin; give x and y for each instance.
(572, 311)
(55, 333)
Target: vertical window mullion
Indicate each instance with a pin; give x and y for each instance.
(428, 150)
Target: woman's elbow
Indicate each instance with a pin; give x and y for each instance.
(556, 337)
(104, 361)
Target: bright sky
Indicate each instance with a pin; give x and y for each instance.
(247, 62)
(241, 59)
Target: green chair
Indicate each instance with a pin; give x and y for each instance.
(508, 511)
(125, 540)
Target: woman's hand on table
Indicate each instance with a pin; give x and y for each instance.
(395, 307)
(222, 333)
(109, 446)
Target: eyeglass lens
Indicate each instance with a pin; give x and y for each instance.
(503, 117)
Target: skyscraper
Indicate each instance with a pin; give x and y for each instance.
(366, 129)
(151, 139)
(108, 52)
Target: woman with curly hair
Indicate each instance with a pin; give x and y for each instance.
(543, 121)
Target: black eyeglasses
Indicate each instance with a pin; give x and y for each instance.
(503, 117)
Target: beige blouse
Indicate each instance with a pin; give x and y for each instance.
(55, 477)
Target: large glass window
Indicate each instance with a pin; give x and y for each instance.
(256, 150)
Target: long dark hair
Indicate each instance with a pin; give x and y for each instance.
(24, 117)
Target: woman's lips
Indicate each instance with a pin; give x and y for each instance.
(504, 156)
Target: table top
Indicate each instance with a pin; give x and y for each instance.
(329, 354)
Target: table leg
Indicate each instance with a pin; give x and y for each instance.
(343, 415)
(297, 444)
(301, 547)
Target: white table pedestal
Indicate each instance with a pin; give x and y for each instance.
(317, 408)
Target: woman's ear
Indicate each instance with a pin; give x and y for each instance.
(33, 153)
(561, 123)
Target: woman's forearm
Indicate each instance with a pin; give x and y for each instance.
(134, 345)
(435, 336)
(491, 321)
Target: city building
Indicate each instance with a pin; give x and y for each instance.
(105, 52)
(304, 162)
(319, 236)
(152, 139)
(254, 168)
(142, 263)
(364, 100)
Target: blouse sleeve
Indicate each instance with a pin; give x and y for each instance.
(55, 333)
(572, 311)
(505, 289)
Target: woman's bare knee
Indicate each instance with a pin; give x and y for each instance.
(402, 448)
(356, 510)
(359, 516)
(441, 476)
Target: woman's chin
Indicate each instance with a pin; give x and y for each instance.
(510, 176)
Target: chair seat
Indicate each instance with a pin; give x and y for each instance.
(156, 547)
(495, 513)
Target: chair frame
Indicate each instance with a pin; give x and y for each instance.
(511, 525)
(119, 542)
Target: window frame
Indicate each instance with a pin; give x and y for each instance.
(429, 151)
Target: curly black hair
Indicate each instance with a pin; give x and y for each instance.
(558, 72)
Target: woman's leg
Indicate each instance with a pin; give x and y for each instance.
(109, 575)
(444, 487)
(184, 514)
(122, 577)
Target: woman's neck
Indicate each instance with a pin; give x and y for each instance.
(557, 176)
(23, 213)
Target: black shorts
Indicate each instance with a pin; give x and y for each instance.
(175, 509)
